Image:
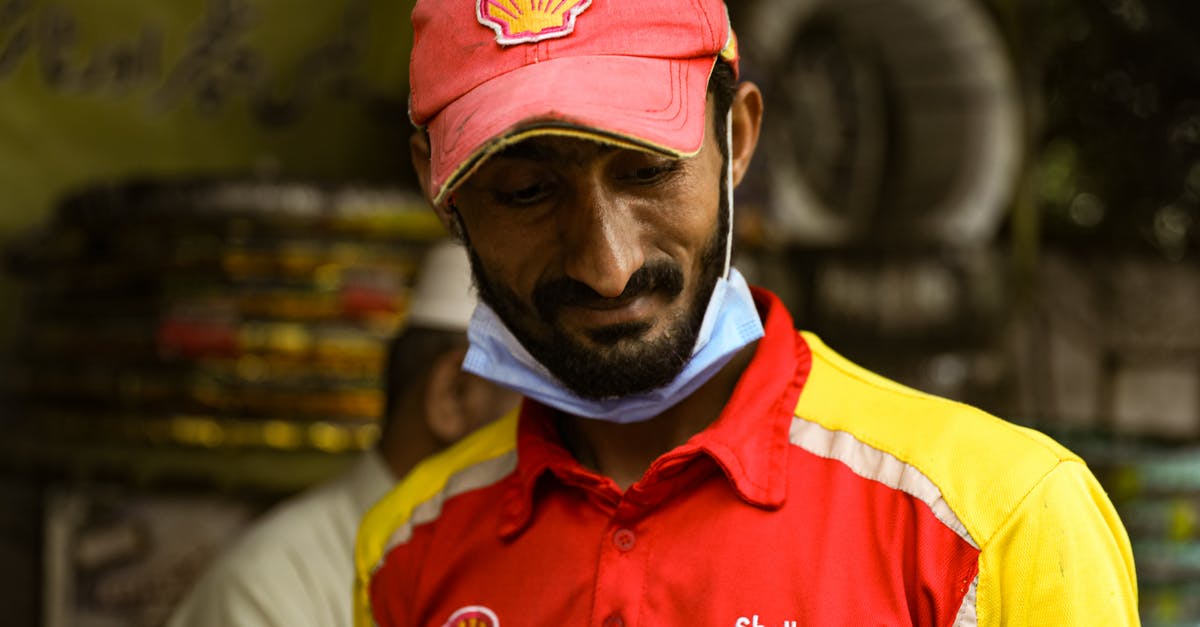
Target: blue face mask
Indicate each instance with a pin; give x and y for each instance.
(730, 323)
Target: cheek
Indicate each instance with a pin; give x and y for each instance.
(693, 211)
(690, 223)
(510, 254)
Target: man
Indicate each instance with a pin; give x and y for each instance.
(684, 457)
(295, 566)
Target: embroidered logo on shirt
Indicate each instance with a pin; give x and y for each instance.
(473, 616)
(529, 21)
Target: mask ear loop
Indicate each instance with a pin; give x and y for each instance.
(728, 190)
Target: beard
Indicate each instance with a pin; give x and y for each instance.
(617, 362)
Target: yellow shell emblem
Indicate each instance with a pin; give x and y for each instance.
(528, 21)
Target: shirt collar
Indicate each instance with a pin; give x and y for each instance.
(748, 441)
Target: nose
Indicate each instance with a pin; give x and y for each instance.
(601, 239)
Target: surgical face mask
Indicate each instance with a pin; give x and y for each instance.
(730, 323)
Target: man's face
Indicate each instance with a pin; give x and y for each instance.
(600, 260)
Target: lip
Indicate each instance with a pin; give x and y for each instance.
(608, 312)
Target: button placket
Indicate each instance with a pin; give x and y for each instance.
(621, 574)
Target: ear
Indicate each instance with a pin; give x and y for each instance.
(418, 145)
(444, 413)
(746, 122)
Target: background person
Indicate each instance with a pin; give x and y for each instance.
(294, 567)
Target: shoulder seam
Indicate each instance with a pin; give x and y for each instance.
(1024, 497)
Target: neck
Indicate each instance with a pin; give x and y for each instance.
(405, 441)
(624, 452)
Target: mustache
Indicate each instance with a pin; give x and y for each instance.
(664, 277)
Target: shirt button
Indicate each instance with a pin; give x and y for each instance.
(624, 539)
(614, 621)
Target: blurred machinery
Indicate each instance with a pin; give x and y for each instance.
(895, 122)
(944, 179)
(894, 141)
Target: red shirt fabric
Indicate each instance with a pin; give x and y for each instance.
(737, 527)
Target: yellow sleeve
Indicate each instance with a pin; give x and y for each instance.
(1062, 558)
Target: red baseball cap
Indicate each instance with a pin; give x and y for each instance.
(486, 74)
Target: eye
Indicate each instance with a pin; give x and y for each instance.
(527, 195)
(651, 174)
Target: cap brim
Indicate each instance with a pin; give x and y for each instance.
(635, 102)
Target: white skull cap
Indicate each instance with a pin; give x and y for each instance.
(443, 297)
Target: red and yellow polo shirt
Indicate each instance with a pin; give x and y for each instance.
(822, 495)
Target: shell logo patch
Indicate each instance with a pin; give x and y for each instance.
(473, 616)
(529, 21)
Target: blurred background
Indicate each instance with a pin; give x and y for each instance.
(209, 229)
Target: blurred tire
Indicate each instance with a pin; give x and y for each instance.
(891, 121)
